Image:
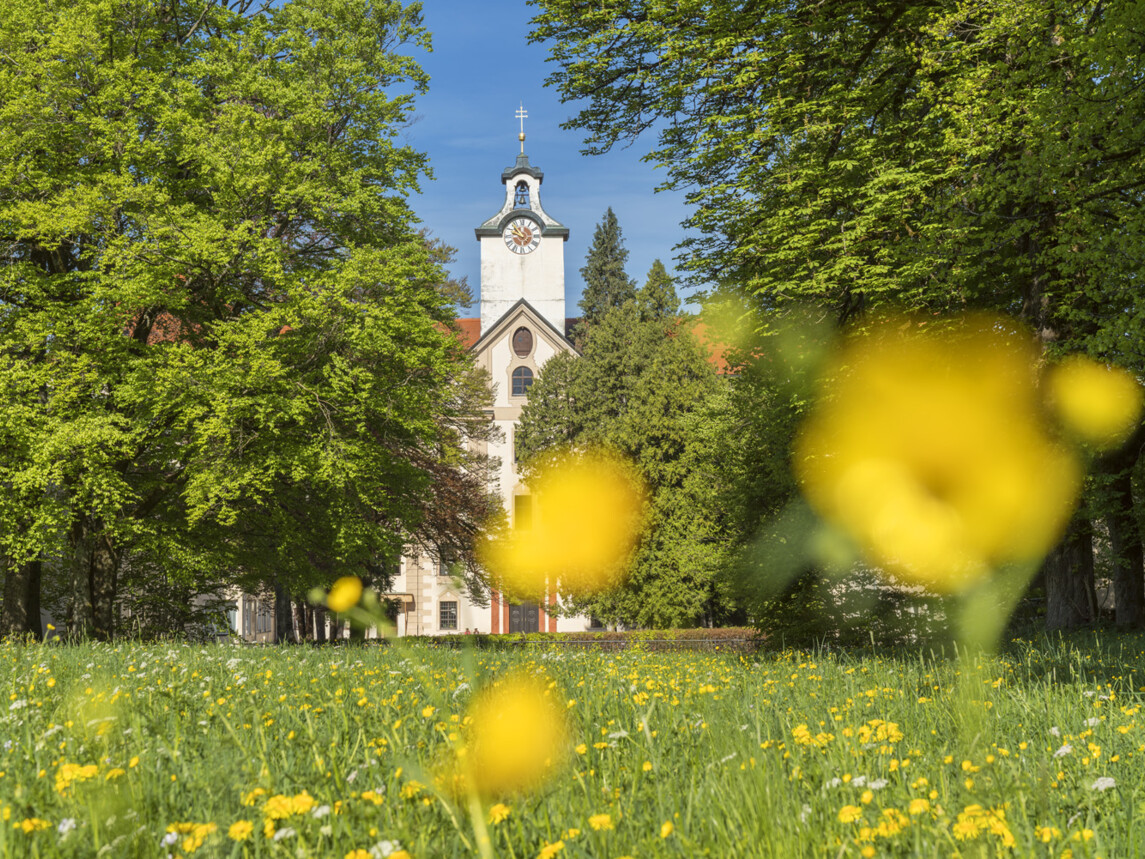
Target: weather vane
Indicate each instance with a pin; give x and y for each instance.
(521, 115)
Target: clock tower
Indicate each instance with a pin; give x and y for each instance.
(522, 249)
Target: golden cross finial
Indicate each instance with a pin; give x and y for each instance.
(522, 115)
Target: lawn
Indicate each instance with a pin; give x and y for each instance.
(220, 750)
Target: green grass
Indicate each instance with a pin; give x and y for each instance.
(709, 743)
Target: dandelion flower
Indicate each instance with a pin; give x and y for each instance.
(517, 736)
(499, 813)
(240, 830)
(927, 449)
(345, 593)
(600, 822)
(1099, 403)
(587, 517)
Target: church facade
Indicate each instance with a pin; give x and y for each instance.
(522, 325)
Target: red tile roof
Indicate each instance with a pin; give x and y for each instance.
(717, 351)
(470, 329)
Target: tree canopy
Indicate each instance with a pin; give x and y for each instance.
(606, 284)
(224, 342)
(930, 157)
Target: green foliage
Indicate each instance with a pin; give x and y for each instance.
(640, 388)
(936, 155)
(606, 284)
(222, 335)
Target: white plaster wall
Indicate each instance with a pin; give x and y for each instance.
(507, 277)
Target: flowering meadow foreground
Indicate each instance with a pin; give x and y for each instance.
(155, 750)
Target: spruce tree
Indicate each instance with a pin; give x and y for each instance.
(606, 284)
(657, 298)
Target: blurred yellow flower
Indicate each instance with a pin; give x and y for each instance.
(666, 829)
(926, 448)
(587, 518)
(600, 822)
(240, 830)
(850, 813)
(517, 736)
(551, 850)
(345, 593)
(1098, 402)
(499, 813)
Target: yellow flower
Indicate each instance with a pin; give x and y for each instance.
(358, 854)
(601, 821)
(588, 513)
(918, 806)
(428, 711)
(666, 829)
(67, 774)
(32, 824)
(928, 451)
(517, 736)
(551, 850)
(345, 593)
(498, 813)
(1099, 403)
(114, 773)
(850, 813)
(240, 830)
(581, 748)
(277, 807)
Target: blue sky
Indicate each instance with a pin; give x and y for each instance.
(482, 68)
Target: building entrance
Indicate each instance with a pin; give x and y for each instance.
(524, 617)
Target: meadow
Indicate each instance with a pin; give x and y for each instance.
(221, 750)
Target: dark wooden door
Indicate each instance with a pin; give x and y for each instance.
(524, 617)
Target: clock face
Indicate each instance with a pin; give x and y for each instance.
(522, 235)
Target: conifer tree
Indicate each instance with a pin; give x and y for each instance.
(657, 298)
(606, 284)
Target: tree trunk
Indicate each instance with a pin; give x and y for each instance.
(20, 613)
(103, 571)
(80, 621)
(1071, 600)
(282, 615)
(1124, 534)
(319, 625)
(1128, 554)
(302, 620)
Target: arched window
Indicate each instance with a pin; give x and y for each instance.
(521, 197)
(522, 381)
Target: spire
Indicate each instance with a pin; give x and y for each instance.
(522, 115)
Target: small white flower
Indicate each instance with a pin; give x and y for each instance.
(384, 848)
(859, 780)
(285, 832)
(1063, 751)
(320, 812)
(835, 782)
(1055, 732)
(1103, 783)
(18, 704)
(66, 826)
(327, 830)
(170, 838)
(353, 775)
(616, 735)
(1092, 722)
(879, 784)
(805, 813)
(1088, 694)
